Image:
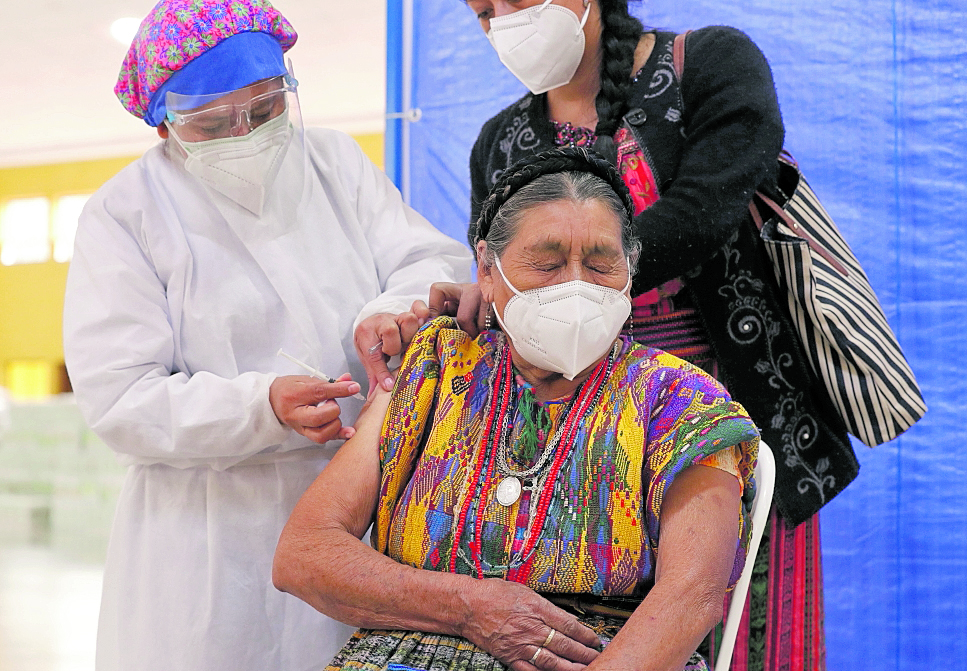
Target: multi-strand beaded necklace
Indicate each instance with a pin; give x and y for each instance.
(492, 460)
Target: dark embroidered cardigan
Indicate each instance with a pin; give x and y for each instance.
(711, 142)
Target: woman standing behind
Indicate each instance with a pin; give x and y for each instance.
(692, 151)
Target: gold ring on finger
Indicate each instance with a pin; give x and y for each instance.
(534, 658)
(550, 637)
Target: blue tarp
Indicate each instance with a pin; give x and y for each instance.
(874, 97)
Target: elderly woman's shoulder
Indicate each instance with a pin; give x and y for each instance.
(651, 368)
(639, 355)
(441, 339)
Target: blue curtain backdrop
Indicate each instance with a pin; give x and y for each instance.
(874, 97)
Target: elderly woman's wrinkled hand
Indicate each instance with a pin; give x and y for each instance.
(513, 623)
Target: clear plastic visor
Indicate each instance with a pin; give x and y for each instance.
(196, 118)
(246, 146)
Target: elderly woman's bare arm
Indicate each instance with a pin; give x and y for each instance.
(699, 520)
(321, 560)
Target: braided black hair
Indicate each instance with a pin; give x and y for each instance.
(620, 34)
(561, 159)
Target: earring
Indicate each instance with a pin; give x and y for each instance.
(488, 324)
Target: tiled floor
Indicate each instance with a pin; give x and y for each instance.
(48, 610)
(58, 485)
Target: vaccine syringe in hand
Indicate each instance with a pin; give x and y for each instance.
(313, 372)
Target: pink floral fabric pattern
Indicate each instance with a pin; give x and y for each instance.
(178, 31)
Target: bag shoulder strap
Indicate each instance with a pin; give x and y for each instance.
(678, 64)
(795, 228)
(678, 54)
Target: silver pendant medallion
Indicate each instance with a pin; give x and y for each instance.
(508, 491)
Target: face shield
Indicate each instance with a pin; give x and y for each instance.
(236, 143)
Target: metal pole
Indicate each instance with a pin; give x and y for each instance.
(407, 98)
(393, 156)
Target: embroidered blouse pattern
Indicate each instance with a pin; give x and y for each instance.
(657, 416)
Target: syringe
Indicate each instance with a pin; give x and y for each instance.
(313, 372)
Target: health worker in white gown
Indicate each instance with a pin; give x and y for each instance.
(192, 268)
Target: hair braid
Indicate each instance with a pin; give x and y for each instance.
(562, 159)
(620, 34)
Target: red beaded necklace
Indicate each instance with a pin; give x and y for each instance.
(496, 423)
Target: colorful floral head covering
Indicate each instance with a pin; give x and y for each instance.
(176, 32)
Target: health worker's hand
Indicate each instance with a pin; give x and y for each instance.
(512, 622)
(382, 336)
(307, 405)
(463, 301)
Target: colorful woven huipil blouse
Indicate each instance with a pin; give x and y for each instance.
(585, 520)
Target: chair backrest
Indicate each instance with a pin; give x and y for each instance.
(765, 480)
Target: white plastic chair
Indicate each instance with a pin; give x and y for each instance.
(765, 479)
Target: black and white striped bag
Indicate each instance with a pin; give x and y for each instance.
(839, 320)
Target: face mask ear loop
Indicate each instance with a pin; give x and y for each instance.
(584, 19)
(628, 283)
(506, 281)
(499, 320)
(512, 288)
(535, 10)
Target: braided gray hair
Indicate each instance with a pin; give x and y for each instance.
(576, 187)
(567, 173)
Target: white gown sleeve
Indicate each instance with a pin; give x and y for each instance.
(409, 252)
(120, 353)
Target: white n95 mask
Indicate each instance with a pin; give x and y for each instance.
(564, 327)
(240, 168)
(541, 45)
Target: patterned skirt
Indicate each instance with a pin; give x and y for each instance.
(782, 625)
(377, 650)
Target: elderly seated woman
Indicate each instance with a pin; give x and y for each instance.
(547, 495)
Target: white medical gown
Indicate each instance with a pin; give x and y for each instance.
(177, 302)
